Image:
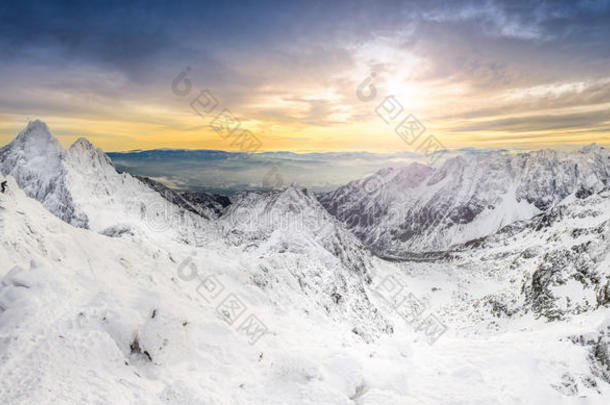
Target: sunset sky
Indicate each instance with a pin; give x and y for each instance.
(487, 74)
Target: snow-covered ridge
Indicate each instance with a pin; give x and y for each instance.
(200, 203)
(36, 160)
(282, 228)
(81, 186)
(334, 276)
(418, 208)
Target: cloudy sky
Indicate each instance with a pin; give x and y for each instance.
(486, 74)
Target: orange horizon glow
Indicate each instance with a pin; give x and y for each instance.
(498, 86)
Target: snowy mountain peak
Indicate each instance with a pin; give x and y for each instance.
(592, 148)
(36, 140)
(279, 228)
(86, 156)
(37, 126)
(424, 209)
(83, 144)
(294, 194)
(415, 166)
(36, 160)
(386, 171)
(413, 174)
(455, 163)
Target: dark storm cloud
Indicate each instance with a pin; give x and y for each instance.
(504, 44)
(141, 35)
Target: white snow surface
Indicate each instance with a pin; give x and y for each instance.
(90, 318)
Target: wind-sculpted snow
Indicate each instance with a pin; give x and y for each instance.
(418, 209)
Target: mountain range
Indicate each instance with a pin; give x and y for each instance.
(116, 288)
(418, 208)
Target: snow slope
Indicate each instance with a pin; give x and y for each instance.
(537, 289)
(69, 320)
(559, 261)
(68, 323)
(281, 304)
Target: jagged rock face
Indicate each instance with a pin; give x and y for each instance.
(549, 176)
(561, 257)
(418, 208)
(583, 267)
(36, 161)
(598, 345)
(214, 202)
